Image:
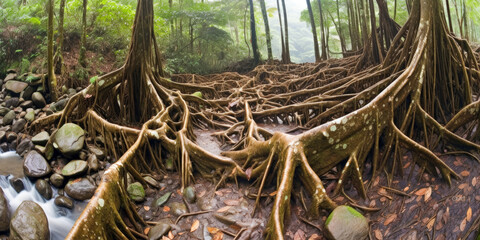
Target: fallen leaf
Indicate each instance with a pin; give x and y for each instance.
(463, 224)
(421, 192)
(231, 202)
(195, 225)
(299, 235)
(146, 230)
(212, 230)
(469, 214)
(170, 235)
(474, 181)
(218, 236)
(273, 194)
(165, 238)
(465, 173)
(428, 193)
(462, 186)
(223, 209)
(166, 209)
(314, 237)
(390, 219)
(430, 224)
(201, 194)
(378, 234)
(146, 208)
(248, 172)
(180, 233)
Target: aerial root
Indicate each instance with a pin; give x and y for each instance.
(352, 170)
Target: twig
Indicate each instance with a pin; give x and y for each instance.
(393, 190)
(191, 214)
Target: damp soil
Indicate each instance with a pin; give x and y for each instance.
(414, 205)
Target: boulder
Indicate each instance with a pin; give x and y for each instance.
(69, 139)
(41, 138)
(35, 165)
(74, 168)
(136, 192)
(29, 222)
(11, 75)
(15, 86)
(346, 223)
(27, 93)
(44, 189)
(4, 213)
(80, 189)
(38, 100)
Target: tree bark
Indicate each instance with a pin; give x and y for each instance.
(287, 47)
(314, 32)
(322, 30)
(52, 80)
(267, 30)
(253, 35)
(83, 49)
(284, 54)
(58, 59)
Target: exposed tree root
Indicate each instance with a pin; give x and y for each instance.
(344, 117)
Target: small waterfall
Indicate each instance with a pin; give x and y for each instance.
(60, 220)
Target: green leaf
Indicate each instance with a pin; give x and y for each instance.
(18, 50)
(34, 21)
(93, 79)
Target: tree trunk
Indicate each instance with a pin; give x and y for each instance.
(267, 30)
(284, 54)
(83, 48)
(253, 35)
(314, 32)
(58, 59)
(339, 29)
(287, 46)
(52, 80)
(322, 30)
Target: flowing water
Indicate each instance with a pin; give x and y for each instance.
(60, 220)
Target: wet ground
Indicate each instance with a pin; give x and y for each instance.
(415, 206)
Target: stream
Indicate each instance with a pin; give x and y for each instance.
(60, 220)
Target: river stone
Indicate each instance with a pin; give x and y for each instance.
(93, 163)
(30, 116)
(17, 184)
(69, 139)
(38, 100)
(74, 168)
(151, 181)
(4, 111)
(63, 201)
(15, 86)
(97, 151)
(11, 136)
(346, 223)
(80, 189)
(41, 138)
(189, 194)
(60, 105)
(43, 188)
(8, 118)
(57, 180)
(35, 165)
(160, 229)
(4, 213)
(12, 102)
(27, 104)
(19, 125)
(27, 93)
(29, 222)
(178, 208)
(136, 192)
(24, 146)
(2, 136)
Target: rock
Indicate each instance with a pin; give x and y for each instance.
(43, 188)
(30, 116)
(160, 229)
(97, 151)
(74, 168)
(162, 200)
(4, 111)
(71, 91)
(4, 147)
(83, 155)
(93, 163)
(4, 212)
(178, 208)
(12, 102)
(2, 136)
(80, 189)
(9, 117)
(11, 75)
(207, 202)
(24, 146)
(15, 86)
(41, 138)
(11, 136)
(57, 180)
(35, 165)
(18, 125)
(69, 139)
(136, 192)
(63, 201)
(38, 100)
(29, 222)
(151, 181)
(27, 93)
(346, 223)
(27, 104)
(189, 194)
(17, 184)
(60, 105)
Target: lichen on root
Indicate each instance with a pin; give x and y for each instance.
(345, 117)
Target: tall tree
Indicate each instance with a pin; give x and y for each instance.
(267, 30)
(253, 35)
(322, 31)
(284, 54)
(52, 80)
(83, 48)
(59, 68)
(314, 31)
(287, 45)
